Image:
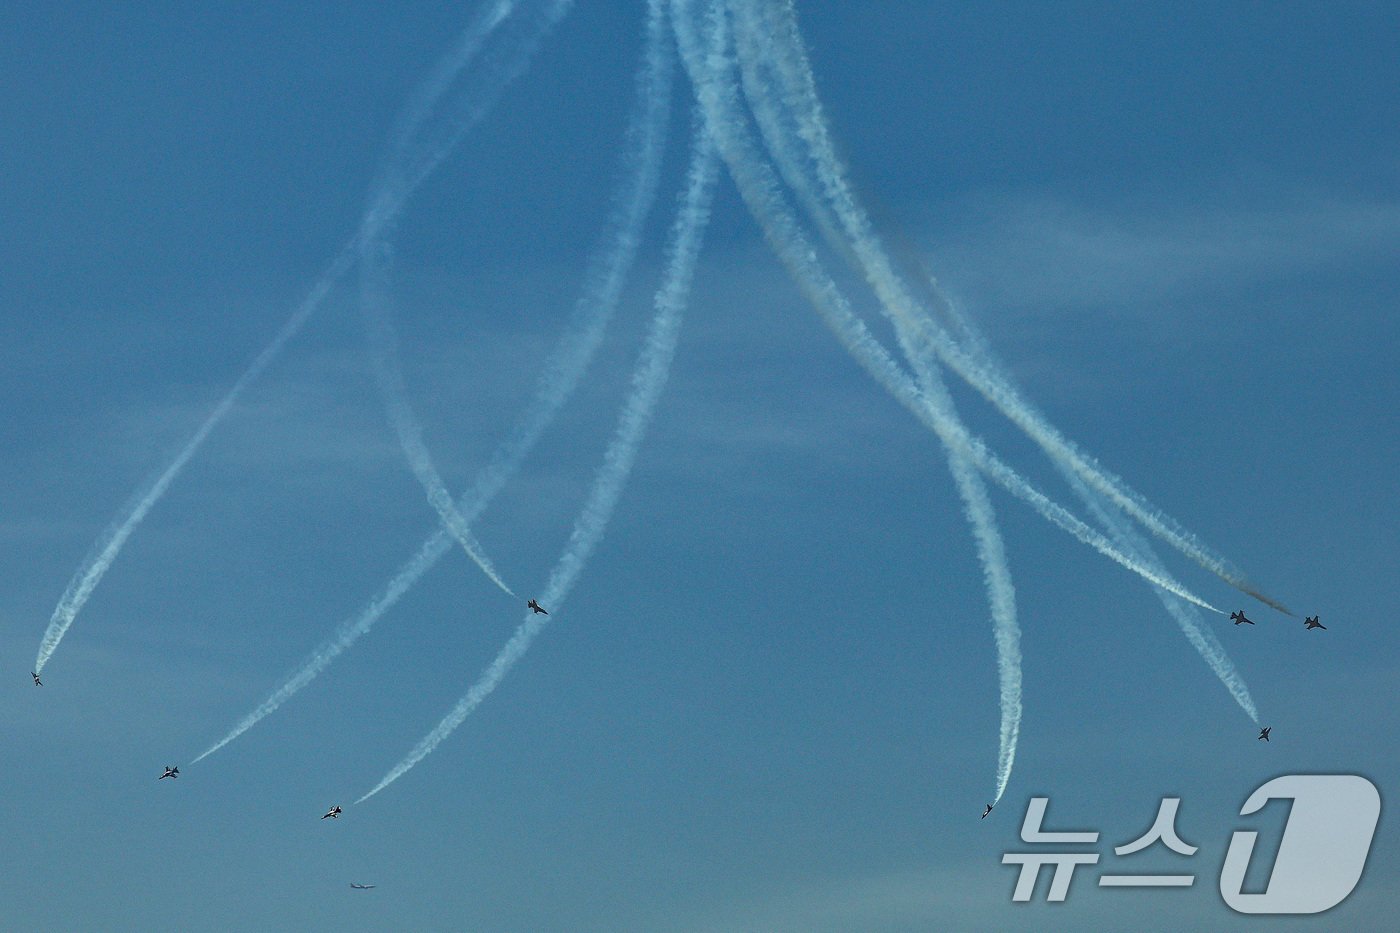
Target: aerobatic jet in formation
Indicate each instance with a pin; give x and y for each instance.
(1239, 618)
(170, 772)
(986, 811)
(333, 813)
(37, 681)
(361, 887)
(1264, 733)
(1311, 622)
(536, 606)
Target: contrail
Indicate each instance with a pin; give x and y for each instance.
(648, 381)
(607, 272)
(758, 186)
(751, 42)
(788, 58)
(110, 543)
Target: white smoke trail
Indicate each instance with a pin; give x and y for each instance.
(755, 35)
(787, 56)
(1001, 596)
(648, 381)
(395, 177)
(607, 272)
(109, 545)
(383, 351)
(751, 41)
(758, 186)
(1186, 617)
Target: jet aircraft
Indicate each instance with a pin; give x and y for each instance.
(37, 681)
(333, 813)
(536, 606)
(361, 887)
(1239, 617)
(1264, 733)
(170, 772)
(986, 811)
(1311, 622)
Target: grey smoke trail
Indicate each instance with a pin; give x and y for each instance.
(751, 41)
(787, 56)
(109, 545)
(562, 369)
(648, 381)
(759, 188)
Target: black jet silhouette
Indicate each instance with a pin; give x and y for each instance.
(170, 772)
(361, 887)
(333, 813)
(536, 606)
(1311, 622)
(1264, 733)
(37, 681)
(1239, 618)
(986, 811)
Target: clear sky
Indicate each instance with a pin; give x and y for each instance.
(771, 700)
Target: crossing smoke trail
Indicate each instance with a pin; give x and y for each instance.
(1186, 617)
(383, 351)
(607, 272)
(755, 34)
(788, 59)
(1111, 518)
(751, 44)
(648, 381)
(109, 545)
(475, 103)
(758, 186)
(758, 35)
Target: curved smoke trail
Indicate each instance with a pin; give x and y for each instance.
(751, 41)
(109, 545)
(648, 381)
(560, 372)
(379, 327)
(787, 56)
(395, 178)
(1186, 617)
(759, 188)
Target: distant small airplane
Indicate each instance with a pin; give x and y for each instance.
(361, 887)
(535, 606)
(1311, 622)
(170, 772)
(333, 813)
(1264, 733)
(1239, 617)
(37, 681)
(986, 811)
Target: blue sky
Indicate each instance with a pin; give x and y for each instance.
(771, 701)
